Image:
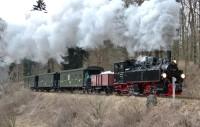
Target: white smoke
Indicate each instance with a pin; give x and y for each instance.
(153, 25)
(87, 24)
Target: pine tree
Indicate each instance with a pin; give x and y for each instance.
(40, 6)
(74, 59)
(27, 66)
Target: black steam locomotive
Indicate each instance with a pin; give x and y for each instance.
(149, 74)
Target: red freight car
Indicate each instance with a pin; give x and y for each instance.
(103, 81)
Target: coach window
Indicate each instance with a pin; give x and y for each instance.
(75, 76)
(68, 77)
(71, 76)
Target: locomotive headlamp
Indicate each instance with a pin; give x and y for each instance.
(164, 75)
(174, 61)
(182, 76)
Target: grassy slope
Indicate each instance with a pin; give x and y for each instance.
(24, 108)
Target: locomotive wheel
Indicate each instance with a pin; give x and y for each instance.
(119, 93)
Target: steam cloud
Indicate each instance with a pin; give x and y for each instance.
(87, 24)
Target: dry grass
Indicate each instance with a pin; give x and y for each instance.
(87, 112)
(21, 108)
(8, 116)
(13, 95)
(67, 110)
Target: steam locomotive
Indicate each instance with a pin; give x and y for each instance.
(134, 77)
(148, 75)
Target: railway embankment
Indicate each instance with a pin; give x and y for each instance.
(23, 108)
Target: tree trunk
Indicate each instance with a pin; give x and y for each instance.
(199, 30)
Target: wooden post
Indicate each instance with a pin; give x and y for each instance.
(174, 88)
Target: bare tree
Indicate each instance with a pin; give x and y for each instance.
(3, 27)
(190, 28)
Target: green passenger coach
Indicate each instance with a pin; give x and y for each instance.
(29, 81)
(64, 80)
(77, 78)
(71, 78)
(46, 81)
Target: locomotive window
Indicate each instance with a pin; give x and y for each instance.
(121, 66)
(116, 67)
(155, 61)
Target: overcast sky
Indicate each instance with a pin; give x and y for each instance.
(15, 11)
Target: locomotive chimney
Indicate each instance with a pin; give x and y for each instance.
(169, 54)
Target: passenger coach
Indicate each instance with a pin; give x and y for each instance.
(64, 80)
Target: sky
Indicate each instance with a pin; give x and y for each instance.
(15, 11)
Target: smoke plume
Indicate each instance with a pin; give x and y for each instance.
(87, 24)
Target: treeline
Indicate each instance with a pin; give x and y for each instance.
(187, 47)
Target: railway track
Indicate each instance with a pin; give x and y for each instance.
(103, 94)
(183, 97)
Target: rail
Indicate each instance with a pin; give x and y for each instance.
(103, 94)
